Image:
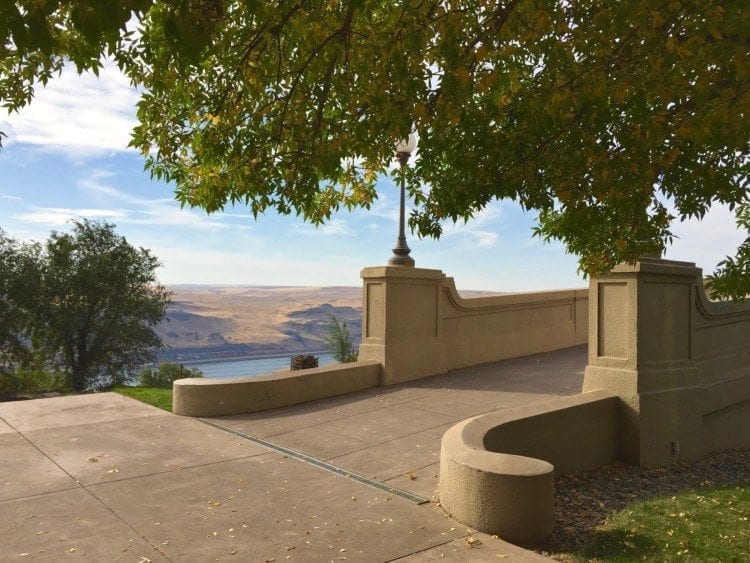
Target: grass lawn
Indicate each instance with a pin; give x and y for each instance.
(710, 524)
(161, 398)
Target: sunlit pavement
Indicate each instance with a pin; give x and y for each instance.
(106, 478)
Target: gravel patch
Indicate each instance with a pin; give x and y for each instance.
(584, 500)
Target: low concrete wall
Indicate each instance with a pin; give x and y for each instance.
(489, 329)
(722, 356)
(679, 362)
(220, 397)
(416, 324)
(497, 469)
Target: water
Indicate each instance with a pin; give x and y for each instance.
(255, 366)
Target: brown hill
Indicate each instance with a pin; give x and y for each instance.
(206, 322)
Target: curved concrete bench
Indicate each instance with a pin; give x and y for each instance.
(221, 397)
(497, 469)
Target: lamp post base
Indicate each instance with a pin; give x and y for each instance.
(402, 260)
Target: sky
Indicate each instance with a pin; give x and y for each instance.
(66, 157)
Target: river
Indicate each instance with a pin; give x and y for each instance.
(253, 366)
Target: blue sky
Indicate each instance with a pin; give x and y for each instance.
(66, 157)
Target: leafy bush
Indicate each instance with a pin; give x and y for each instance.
(28, 380)
(166, 374)
(339, 341)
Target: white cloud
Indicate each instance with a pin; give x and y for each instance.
(143, 211)
(78, 115)
(386, 206)
(484, 239)
(162, 214)
(93, 184)
(476, 230)
(11, 197)
(58, 216)
(332, 227)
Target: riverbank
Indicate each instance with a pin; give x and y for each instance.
(253, 366)
(250, 357)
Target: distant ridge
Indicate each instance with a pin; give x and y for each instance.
(223, 322)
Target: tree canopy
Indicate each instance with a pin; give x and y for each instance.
(19, 282)
(611, 119)
(85, 302)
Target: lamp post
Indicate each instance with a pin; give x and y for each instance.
(401, 251)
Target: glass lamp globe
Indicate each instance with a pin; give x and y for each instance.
(407, 145)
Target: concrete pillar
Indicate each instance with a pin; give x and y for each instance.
(640, 349)
(401, 322)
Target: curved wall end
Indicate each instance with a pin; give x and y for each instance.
(497, 469)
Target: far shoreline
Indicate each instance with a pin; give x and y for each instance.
(200, 361)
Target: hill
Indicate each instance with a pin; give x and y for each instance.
(224, 322)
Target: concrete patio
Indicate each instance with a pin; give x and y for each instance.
(106, 478)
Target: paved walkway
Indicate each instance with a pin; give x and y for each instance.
(106, 478)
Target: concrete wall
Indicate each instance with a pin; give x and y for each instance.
(220, 397)
(497, 469)
(416, 325)
(679, 363)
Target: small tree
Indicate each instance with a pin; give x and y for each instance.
(339, 341)
(97, 305)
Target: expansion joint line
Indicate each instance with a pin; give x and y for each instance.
(406, 495)
(80, 486)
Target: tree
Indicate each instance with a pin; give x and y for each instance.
(97, 305)
(610, 119)
(19, 282)
(339, 341)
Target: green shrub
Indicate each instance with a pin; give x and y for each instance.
(166, 374)
(28, 380)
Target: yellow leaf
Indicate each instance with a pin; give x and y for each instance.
(462, 73)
